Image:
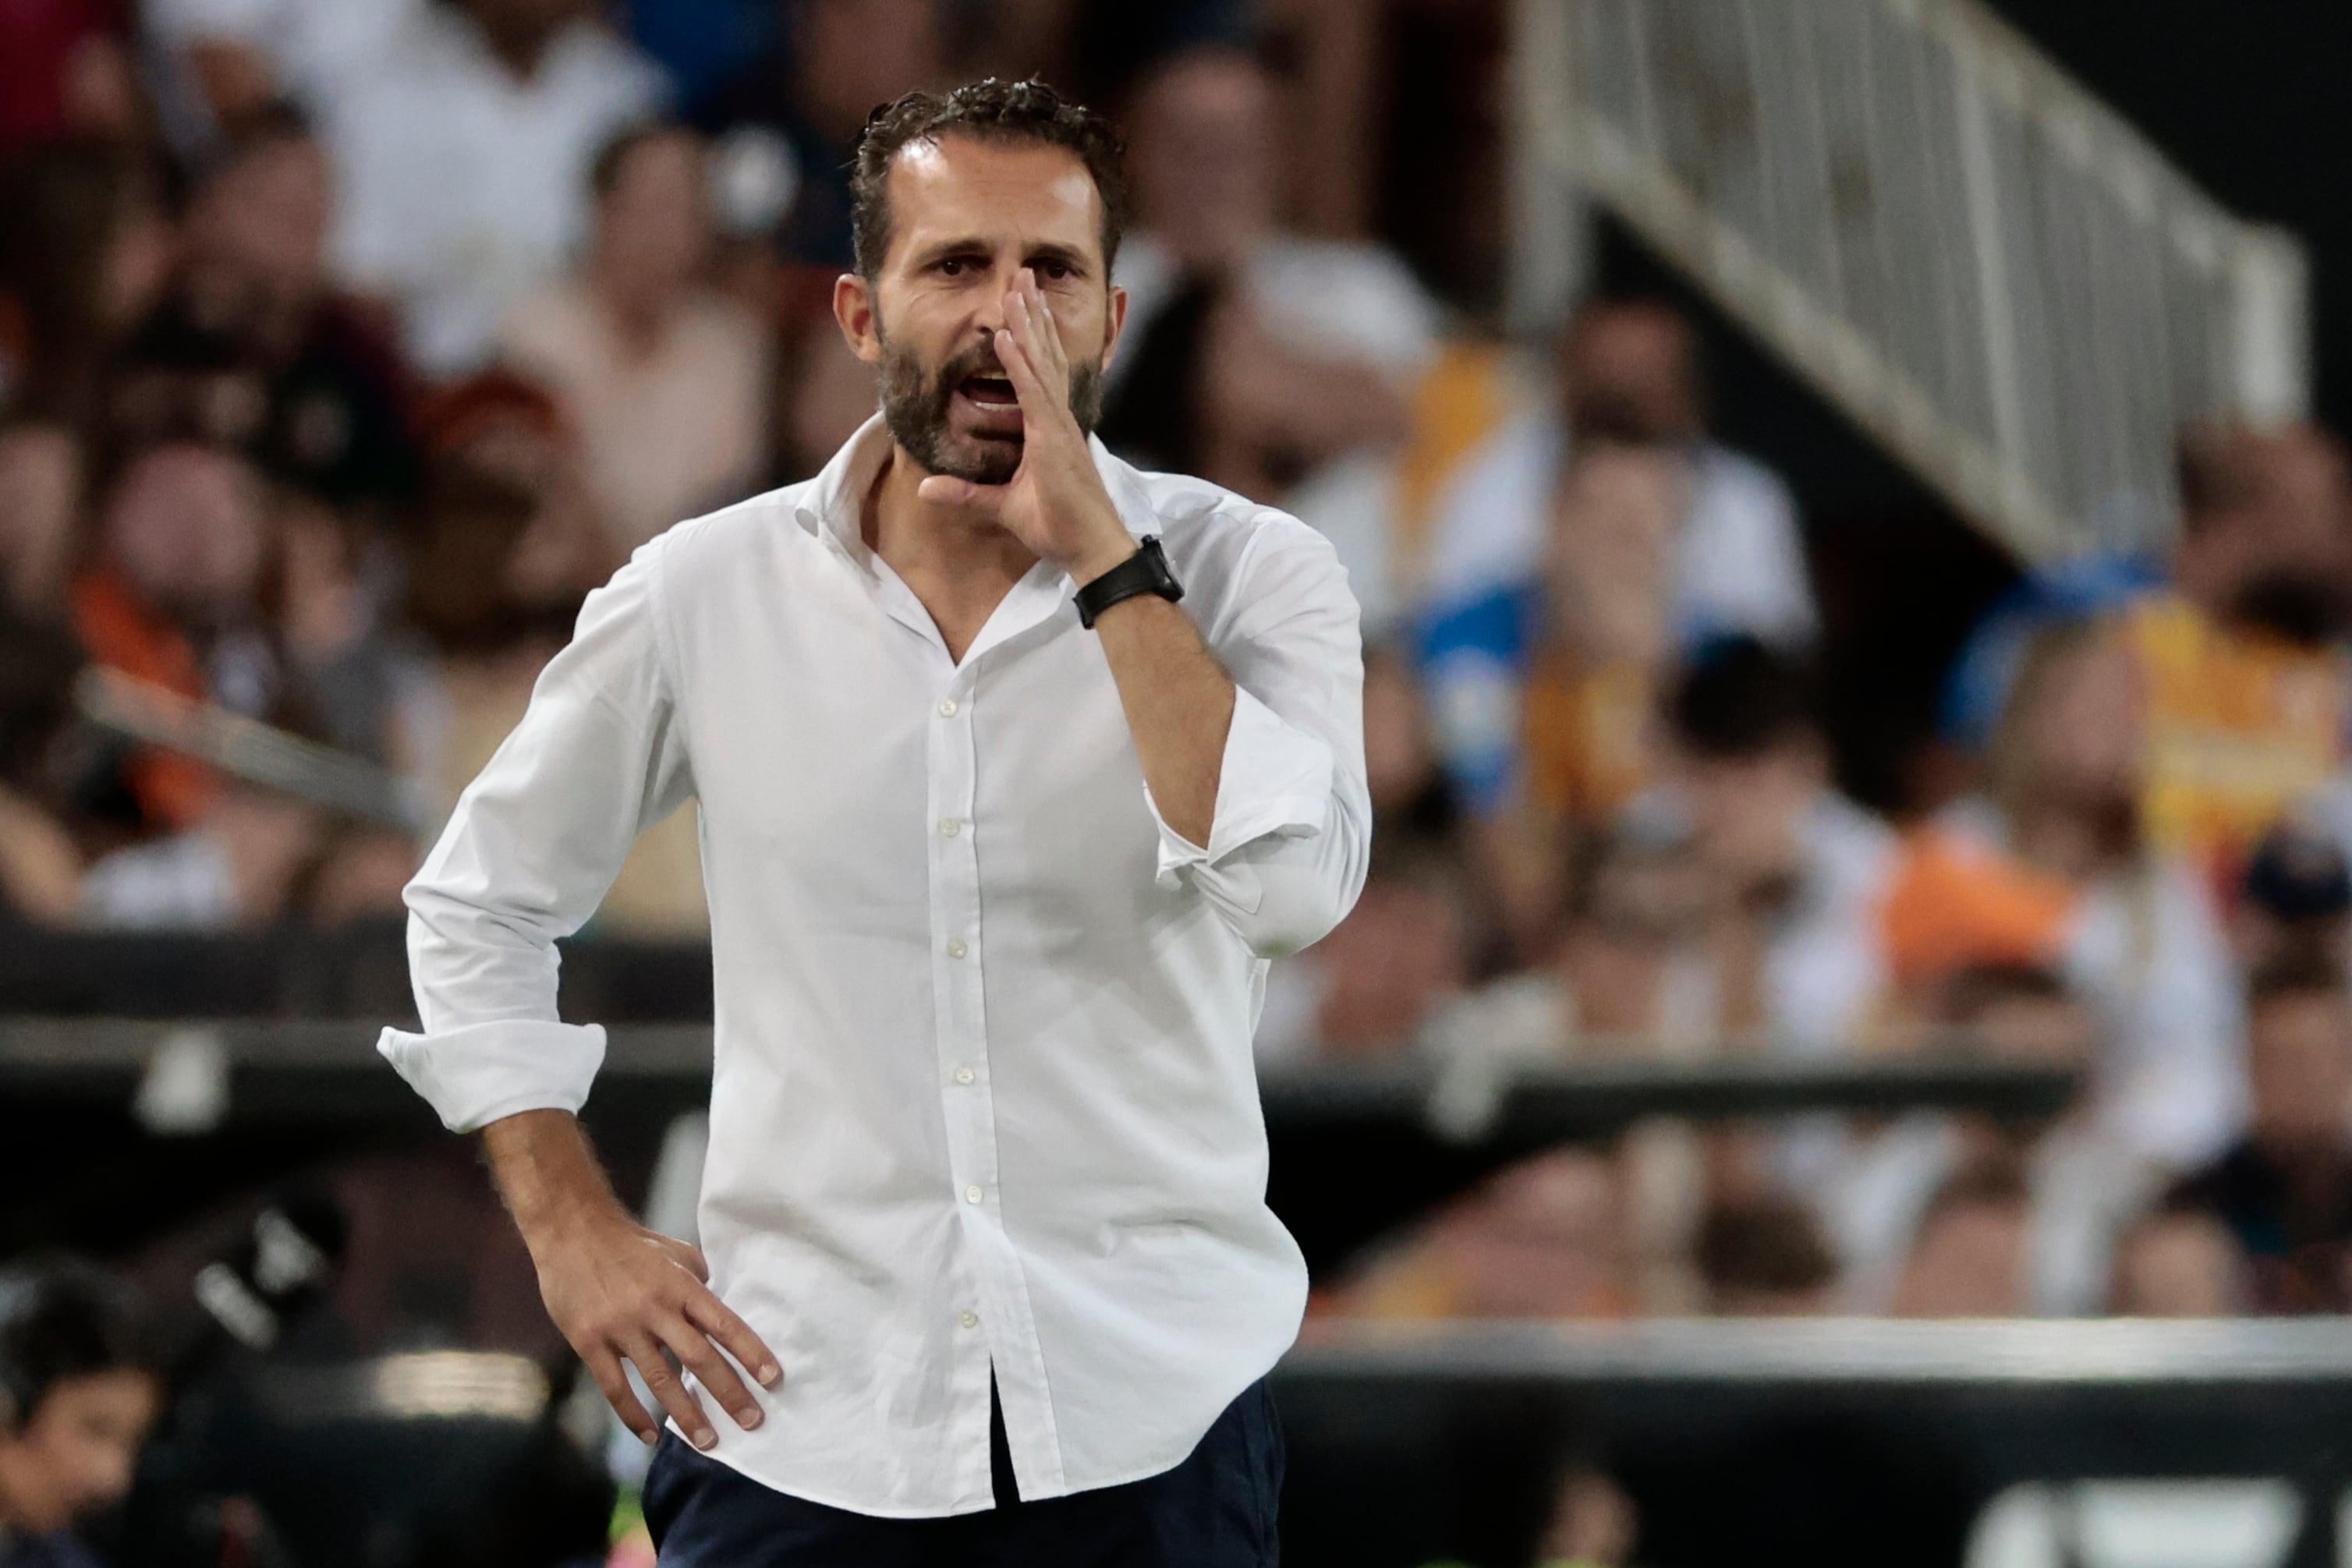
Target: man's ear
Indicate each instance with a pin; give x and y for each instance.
(1114, 323)
(853, 311)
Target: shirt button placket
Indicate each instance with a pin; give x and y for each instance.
(963, 1039)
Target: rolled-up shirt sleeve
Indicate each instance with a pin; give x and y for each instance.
(1292, 831)
(535, 841)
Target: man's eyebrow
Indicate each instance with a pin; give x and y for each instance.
(1076, 260)
(940, 250)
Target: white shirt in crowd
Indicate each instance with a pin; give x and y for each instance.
(319, 47)
(1739, 564)
(463, 187)
(983, 1096)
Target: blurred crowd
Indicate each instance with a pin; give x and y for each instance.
(345, 348)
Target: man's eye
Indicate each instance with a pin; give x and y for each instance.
(1053, 269)
(950, 268)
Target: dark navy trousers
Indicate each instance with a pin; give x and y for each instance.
(1215, 1509)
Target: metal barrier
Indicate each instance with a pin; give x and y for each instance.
(1933, 1445)
(183, 1111)
(1969, 253)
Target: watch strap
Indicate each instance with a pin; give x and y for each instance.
(1145, 571)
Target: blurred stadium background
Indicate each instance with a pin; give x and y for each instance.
(1845, 1055)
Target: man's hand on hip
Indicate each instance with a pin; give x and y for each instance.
(621, 1292)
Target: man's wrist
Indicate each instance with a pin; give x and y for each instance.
(1085, 569)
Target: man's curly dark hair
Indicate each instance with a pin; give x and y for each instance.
(989, 111)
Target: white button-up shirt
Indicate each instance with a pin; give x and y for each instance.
(983, 1095)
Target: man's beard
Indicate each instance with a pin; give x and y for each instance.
(915, 406)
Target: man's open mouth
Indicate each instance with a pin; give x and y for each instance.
(993, 395)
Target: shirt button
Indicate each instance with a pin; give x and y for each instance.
(950, 827)
(972, 1193)
(968, 1319)
(963, 1075)
(956, 949)
(947, 708)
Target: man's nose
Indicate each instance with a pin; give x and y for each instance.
(991, 317)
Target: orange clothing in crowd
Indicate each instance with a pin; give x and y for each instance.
(2239, 725)
(1954, 904)
(1591, 737)
(120, 632)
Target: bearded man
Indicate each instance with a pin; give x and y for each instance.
(999, 838)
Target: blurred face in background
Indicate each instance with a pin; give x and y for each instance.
(2179, 1266)
(1748, 812)
(1630, 371)
(1402, 950)
(1201, 156)
(40, 496)
(2072, 734)
(1609, 563)
(2300, 1063)
(2268, 540)
(76, 1452)
(1544, 1239)
(1399, 758)
(966, 216)
(187, 525)
(2057, 1031)
(1967, 1261)
(653, 220)
(1642, 908)
(850, 55)
(261, 225)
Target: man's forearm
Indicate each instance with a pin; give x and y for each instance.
(1179, 703)
(548, 1174)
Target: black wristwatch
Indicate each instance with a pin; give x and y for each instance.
(1145, 571)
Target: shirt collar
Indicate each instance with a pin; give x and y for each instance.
(832, 504)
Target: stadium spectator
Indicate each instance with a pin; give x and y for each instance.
(1799, 871)
(40, 513)
(1765, 1258)
(2285, 1189)
(1281, 366)
(2133, 927)
(507, 545)
(1968, 1257)
(41, 858)
(255, 300)
(810, 96)
(1371, 986)
(1542, 1238)
(1633, 968)
(77, 1394)
(664, 381)
(2247, 686)
(1577, 735)
(170, 598)
(1735, 562)
(66, 70)
(2179, 1261)
(241, 865)
(2236, 640)
(824, 394)
(2081, 1183)
(462, 156)
(236, 57)
(86, 248)
(2296, 903)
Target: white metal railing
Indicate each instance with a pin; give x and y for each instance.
(1981, 263)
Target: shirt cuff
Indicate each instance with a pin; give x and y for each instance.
(1273, 782)
(476, 1073)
